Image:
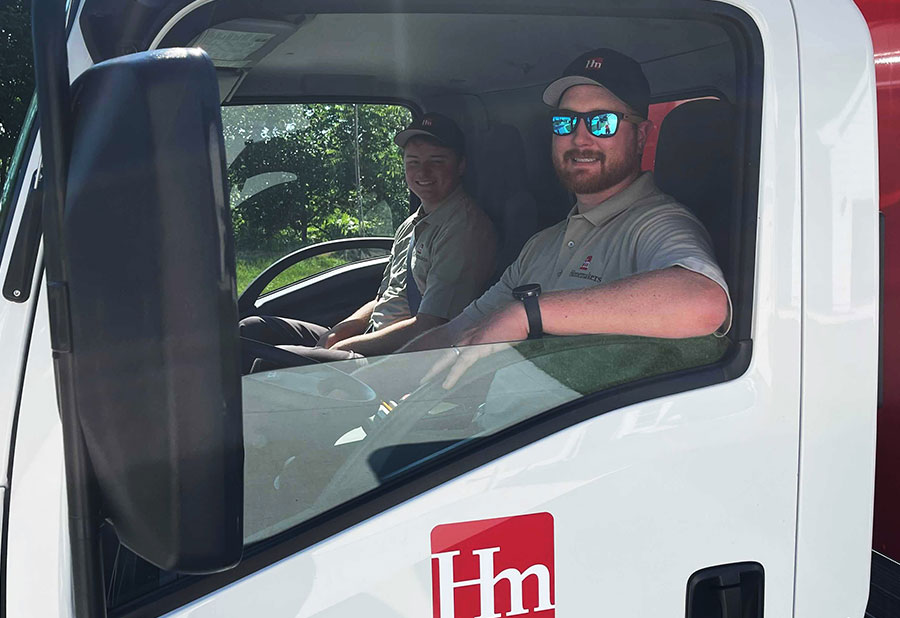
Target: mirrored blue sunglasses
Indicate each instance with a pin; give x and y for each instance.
(600, 123)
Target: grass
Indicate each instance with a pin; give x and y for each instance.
(249, 265)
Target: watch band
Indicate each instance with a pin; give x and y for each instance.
(533, 312)
(529, 294)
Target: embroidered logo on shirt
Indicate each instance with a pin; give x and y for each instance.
(580, 275)
(584, 271)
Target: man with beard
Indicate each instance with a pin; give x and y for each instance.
(627, 260)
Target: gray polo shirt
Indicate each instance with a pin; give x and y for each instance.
(454, 258)
(635, 231)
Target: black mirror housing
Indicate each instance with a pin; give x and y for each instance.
(149, 259)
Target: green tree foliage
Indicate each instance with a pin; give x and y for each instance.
(293, 173)
(16, 74)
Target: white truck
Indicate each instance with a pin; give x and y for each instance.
(142, 475)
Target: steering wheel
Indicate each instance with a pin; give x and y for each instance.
(321, 457)
(355, 476)
(247, 299)
(361, 473)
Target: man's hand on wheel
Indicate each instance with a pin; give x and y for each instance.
(508, 324)
(340, 331)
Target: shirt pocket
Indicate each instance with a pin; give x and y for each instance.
(421, 263)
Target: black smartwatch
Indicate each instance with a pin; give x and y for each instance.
(529, 294)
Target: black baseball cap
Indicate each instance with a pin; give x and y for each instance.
(437, 126)
(616, 72)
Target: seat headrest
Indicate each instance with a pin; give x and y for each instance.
(500, 162)
(695, 165)
(502, 189)
(695, 150)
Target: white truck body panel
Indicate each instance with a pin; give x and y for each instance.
(39, 584)
(840, 310)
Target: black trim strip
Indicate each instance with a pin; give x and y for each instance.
(20, 271)
(749, 61)
(54, 109)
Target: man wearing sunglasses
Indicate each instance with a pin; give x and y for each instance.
(441, 259)
(627, 260)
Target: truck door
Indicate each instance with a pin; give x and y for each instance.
(601, 474)
(592, 474)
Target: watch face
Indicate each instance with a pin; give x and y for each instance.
(527, 290)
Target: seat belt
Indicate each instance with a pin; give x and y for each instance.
(413, 295)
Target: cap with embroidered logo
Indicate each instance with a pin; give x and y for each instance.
(621, 75)
(437, 126)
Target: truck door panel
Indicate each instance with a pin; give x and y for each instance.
(633, 498)
(640, 497)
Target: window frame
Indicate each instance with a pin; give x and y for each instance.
(747, 44)
(331, 269)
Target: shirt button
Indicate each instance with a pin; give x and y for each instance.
(571, 244)
(559, 274)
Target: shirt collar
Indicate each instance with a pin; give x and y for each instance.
(444, 208)
(642, 186)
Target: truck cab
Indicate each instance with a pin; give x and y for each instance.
(162, 193)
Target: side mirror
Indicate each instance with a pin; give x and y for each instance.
(148, 253)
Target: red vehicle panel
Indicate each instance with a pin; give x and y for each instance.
(883, 17)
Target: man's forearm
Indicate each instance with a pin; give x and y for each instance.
(673, 302)
(441, 337)
(391, 338)
(354, 325)
(364, 313)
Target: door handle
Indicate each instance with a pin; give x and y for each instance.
(726, 591)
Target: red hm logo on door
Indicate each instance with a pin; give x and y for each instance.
(494, 568)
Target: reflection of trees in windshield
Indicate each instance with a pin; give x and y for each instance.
(320, 146)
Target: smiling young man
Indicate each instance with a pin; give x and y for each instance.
(448, 245)
(627, 260)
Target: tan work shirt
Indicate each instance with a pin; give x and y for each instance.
(635, 231)
(454, 258)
